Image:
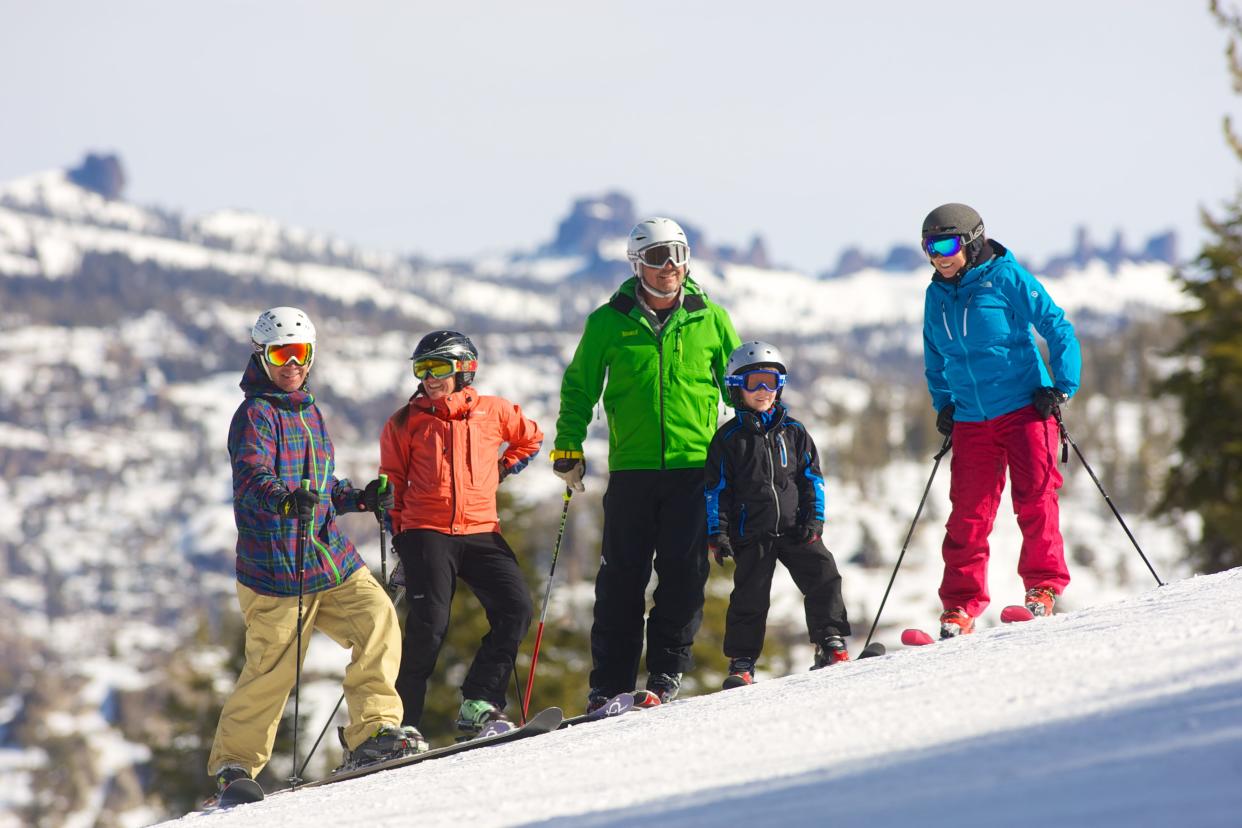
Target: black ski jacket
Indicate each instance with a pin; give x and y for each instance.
(760, 483)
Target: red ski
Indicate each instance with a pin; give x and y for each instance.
(916, 638)
(1015, 613)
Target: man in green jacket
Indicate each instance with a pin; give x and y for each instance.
(661, 347)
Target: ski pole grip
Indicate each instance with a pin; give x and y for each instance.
(306, 484)
(383, 479)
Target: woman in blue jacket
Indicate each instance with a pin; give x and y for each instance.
(995, 396)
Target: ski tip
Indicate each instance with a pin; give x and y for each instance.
(240, 792)
(916, 638)
(1016, 613)
(873, 650)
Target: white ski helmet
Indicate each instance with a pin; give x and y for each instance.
(650, 232)
(749, 356)
(753, 354)
(279, 325)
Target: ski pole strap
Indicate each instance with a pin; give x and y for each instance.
(1064, 435)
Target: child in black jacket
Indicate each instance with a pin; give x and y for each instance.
(765, 502)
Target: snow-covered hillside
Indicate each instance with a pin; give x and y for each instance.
(1121, 715)
(124, 339)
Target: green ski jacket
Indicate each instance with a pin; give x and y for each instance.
(663, 390)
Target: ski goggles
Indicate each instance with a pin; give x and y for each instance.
(280, 355)
(756, 379)
(660, 254)
(938, 246)
(442, 368)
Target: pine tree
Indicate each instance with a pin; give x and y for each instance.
(1208, 480)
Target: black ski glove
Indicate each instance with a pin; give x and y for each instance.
(300, 504)
(718, 547)
(571, 470)
(504, 470)
(944, 420)
(809, 532)
(373, 500)
(1047, 399)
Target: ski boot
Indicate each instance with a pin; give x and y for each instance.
(661, 689)
(955, 622)
(741, 673)
(227, 776)
(476, 713)
(596, 699)
(388, 742)
(1040, 600)
(830, 651)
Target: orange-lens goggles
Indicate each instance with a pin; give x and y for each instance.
(295, 352)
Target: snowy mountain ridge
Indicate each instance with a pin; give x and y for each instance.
(1121, 715)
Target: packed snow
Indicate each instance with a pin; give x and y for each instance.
(1125, 714)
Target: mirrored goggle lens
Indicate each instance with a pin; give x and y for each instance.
(296, 352)
(754, 380)
(658, 254)
(943, 246)
(438, 368)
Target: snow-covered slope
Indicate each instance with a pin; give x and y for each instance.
(1122, 715)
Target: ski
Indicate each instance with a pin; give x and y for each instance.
(872, 650)
(916, 638)
(238, 792)
(542, 722)
(618, 704)
(1015, 613)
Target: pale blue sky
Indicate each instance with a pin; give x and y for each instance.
(451, 128)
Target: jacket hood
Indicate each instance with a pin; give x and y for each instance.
(256, 383)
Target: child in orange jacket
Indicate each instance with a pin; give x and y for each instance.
(442, 454)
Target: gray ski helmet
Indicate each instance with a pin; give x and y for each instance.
(751, 355)
(448, 345)
(957, 220)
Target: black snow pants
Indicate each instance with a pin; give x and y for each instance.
(645, 512)
(433, 561)
(813, 569)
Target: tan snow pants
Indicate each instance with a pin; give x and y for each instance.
(357, 615)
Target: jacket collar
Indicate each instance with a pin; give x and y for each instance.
(255, 383)
(456, 406)
(760, 424)
(1000, 253)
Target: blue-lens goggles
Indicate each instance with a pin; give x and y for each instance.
(754, 380)
(937, 246)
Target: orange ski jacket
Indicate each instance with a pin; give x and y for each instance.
(444, 459)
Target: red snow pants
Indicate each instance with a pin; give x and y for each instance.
(1027, 444)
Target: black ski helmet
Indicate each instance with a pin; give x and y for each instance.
(448, 345)
(958, 220)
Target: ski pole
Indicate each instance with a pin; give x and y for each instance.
(944, 449)
(303, 533)
(379, 516)
(1065, 438)
(547, 593)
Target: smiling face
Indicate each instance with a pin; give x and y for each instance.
(290, 376)
(760, 400)
(950, 266)
(666, 279)
(439, 388)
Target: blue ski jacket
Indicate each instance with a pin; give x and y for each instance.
(978, 349)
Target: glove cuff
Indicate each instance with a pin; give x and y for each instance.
(565, 454)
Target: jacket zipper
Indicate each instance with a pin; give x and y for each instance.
(966, 314)
(945, 316)
(320, 485)
(660, 380)
(776, 527)
(452, 480)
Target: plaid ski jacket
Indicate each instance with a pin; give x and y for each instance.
(276, 440)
